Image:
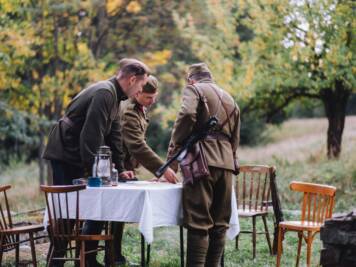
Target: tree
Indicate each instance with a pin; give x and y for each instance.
(300, 49)
(44, 60)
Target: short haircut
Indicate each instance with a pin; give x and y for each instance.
(133, 68)
(200, 75)
(151, 87)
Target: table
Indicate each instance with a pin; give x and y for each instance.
(150, 204)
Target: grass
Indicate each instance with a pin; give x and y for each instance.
(298, 152)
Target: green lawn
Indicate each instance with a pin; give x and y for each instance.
(165, 249)
(298, 152)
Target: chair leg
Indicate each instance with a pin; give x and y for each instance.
(77, 253)
(1, 250)
(309, 248)
(50, 255)
(33, 250)
(267, 234)
(253, 237)
(300, 237)
(279, 247)
(82, 254)
(17, 250)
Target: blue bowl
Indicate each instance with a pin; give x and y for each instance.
(94, 182)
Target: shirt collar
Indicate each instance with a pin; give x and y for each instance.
(120, 93)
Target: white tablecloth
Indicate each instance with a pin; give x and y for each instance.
(148, 204)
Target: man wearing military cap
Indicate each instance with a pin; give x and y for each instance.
(207, 201)
(91, 120)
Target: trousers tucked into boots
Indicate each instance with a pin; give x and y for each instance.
(197, 248)
(216, 247)
(207, 211)
(205, 249)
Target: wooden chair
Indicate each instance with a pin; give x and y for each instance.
(317, 205)
(10, 234)
(64, 230)
(253, 196)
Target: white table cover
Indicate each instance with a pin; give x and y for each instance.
(146, 203)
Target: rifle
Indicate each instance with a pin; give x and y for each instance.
(188, 144)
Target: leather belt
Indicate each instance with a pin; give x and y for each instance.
(218, 136)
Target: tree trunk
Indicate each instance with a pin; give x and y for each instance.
(335, 101)
(41, 161)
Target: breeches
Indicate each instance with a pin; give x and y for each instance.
(207, 202)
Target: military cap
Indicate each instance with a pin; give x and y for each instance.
(197, 68)
(151, 86)
(128, 61)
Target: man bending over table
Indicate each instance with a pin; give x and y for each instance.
(90, 121)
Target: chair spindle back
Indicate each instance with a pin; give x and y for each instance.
(318, 201)
(253, 187)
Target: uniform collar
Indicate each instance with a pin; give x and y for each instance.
(139, 106)
(120, 93)
(205, 80)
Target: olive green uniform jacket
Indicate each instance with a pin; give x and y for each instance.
(207, 201)
(134, 123)
(192, 114)
(91, 120)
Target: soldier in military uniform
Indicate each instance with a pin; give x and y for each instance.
(91, 120)
(134, 123)
(207, 201)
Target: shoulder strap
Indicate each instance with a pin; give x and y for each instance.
(202, 98)
(228, 116)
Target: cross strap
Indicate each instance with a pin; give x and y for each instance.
(228, 116)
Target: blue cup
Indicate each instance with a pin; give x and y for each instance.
(94, 182)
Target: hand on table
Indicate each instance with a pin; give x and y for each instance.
(128, 175)
(170, 176)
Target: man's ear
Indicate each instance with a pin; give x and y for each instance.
(190, 81)
(132, 79)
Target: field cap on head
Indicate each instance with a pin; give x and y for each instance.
(197, 68)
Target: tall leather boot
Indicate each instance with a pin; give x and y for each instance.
(197, 247)
(216, 247)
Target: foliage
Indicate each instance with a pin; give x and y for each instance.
(299, 48)
(45, 62)
(260, 51)
(17, 134)
(210, 26)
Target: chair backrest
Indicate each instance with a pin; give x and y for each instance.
(60, 202)
(318, 201)
(5, 219)
(253, 191)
